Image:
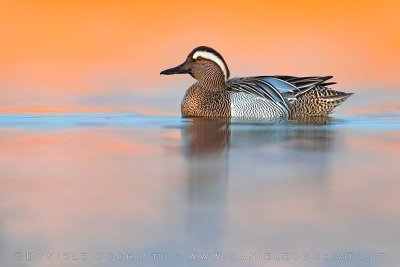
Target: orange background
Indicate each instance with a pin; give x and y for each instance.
(57, 54)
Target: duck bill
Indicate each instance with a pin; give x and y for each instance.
(181, 69)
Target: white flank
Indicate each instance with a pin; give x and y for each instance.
(213, 57)
(244, 105)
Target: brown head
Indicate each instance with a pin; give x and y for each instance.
(206, 65)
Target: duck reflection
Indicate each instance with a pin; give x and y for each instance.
(206, 144)
(211, 136)
(205, 137)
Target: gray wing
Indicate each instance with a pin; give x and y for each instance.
(280, 89)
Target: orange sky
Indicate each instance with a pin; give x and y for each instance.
(58, 49)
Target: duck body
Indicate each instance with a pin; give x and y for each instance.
(198, 102)
(214, 95)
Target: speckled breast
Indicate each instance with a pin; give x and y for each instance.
(198, 102)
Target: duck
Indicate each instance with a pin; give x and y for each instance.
(214, 94)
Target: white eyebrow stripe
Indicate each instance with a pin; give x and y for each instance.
(212, 57)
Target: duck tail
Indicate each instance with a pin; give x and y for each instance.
(320, 101)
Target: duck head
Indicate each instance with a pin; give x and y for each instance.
(204, 64)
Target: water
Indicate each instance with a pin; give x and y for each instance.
(107, 189)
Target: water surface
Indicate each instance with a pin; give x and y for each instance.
(111, 189)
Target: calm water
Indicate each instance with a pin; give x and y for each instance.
(107, 189)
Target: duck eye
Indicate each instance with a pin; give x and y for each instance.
(199, 58)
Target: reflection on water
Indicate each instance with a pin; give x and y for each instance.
(143, 184)
(206, 136)
(206, 144)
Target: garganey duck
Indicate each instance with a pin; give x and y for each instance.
(215, 95)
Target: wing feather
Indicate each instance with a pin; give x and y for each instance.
(280, 89)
